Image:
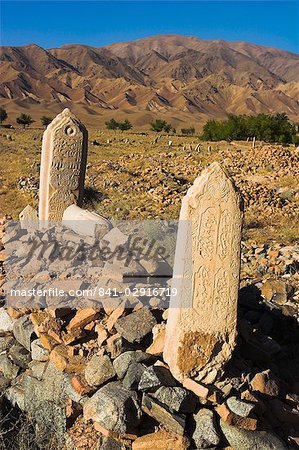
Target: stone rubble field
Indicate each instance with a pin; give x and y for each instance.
(106, 366)
(134, 177)
(135, 372)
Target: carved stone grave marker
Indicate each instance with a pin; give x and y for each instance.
(200, 335)
(63, 164)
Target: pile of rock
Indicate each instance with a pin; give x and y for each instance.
(98, 376)
(108, 370)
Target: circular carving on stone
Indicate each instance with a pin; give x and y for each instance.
(70, 130)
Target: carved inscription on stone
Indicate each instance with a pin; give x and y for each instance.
(63, 165)
(208, 325)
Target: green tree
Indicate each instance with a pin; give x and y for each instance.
(111, 124)
(161, 125)
(3, 115)
(126, 125)
(269, 128)
(46, 120)
(188, 131)
(25, 120)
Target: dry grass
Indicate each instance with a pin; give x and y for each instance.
(142, 180)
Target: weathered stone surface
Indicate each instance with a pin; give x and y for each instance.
(99, 370)
(6, 342)
(123, 361)
(4, 382)
(241, 439)
(234, 419)
(154, 377)
(240, 407)
(20, 356)
(157, 347)
(177, 399)
(28, 218)
(172, 421)
(6, 322)
(135, 326)
(63, 163)
(38, 352)
(161, 440)
(23, 330)
(8, 369)
(265, 383)
(82, 317)
(86, 223)
(114, 408)
(275, 290)
(197, 388)
(202, 316)
(205, 434)
(133, 376)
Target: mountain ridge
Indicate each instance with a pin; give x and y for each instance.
(179, 77)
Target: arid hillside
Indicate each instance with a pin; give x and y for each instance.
(179, 78)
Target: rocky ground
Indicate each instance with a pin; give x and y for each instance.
(90, 377)
(138, 176)
(95, 377)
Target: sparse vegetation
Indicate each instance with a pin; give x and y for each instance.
(25, 120)
(161, 125)
(46, 120)
(3, 115)
(188, 131)
(112, 124)
(151, 184)
(265, 127)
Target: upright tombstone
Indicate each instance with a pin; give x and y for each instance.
(63, 164)
(201, 325)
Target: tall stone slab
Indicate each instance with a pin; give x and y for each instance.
(63, 164)
(201, 326)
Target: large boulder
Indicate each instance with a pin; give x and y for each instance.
(114, 408)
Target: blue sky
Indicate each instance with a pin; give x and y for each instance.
(52, 24)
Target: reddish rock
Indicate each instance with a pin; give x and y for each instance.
(161, 440)
(265, 383)
(235, 420)
(82, 318)
(198, 389)
(115, 315)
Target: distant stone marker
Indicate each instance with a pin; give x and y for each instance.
(200, 335)
(63, 164)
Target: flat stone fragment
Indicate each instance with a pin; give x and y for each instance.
(161, 440)
(23, 330)
(177, 399)
(240, 407)
(154, 377)
(28, 218)
(241, 439)
(8, 369)
(172, 421)
(123, 361)
(203, 314)
(20, 356)
(63, 164)
(205, 434)
(135, 326)
(114, 408)
(86, 223)
(6, 322)
(6, 342)
(99, 370)
(38, 352)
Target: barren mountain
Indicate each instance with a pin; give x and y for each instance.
(181, 78)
